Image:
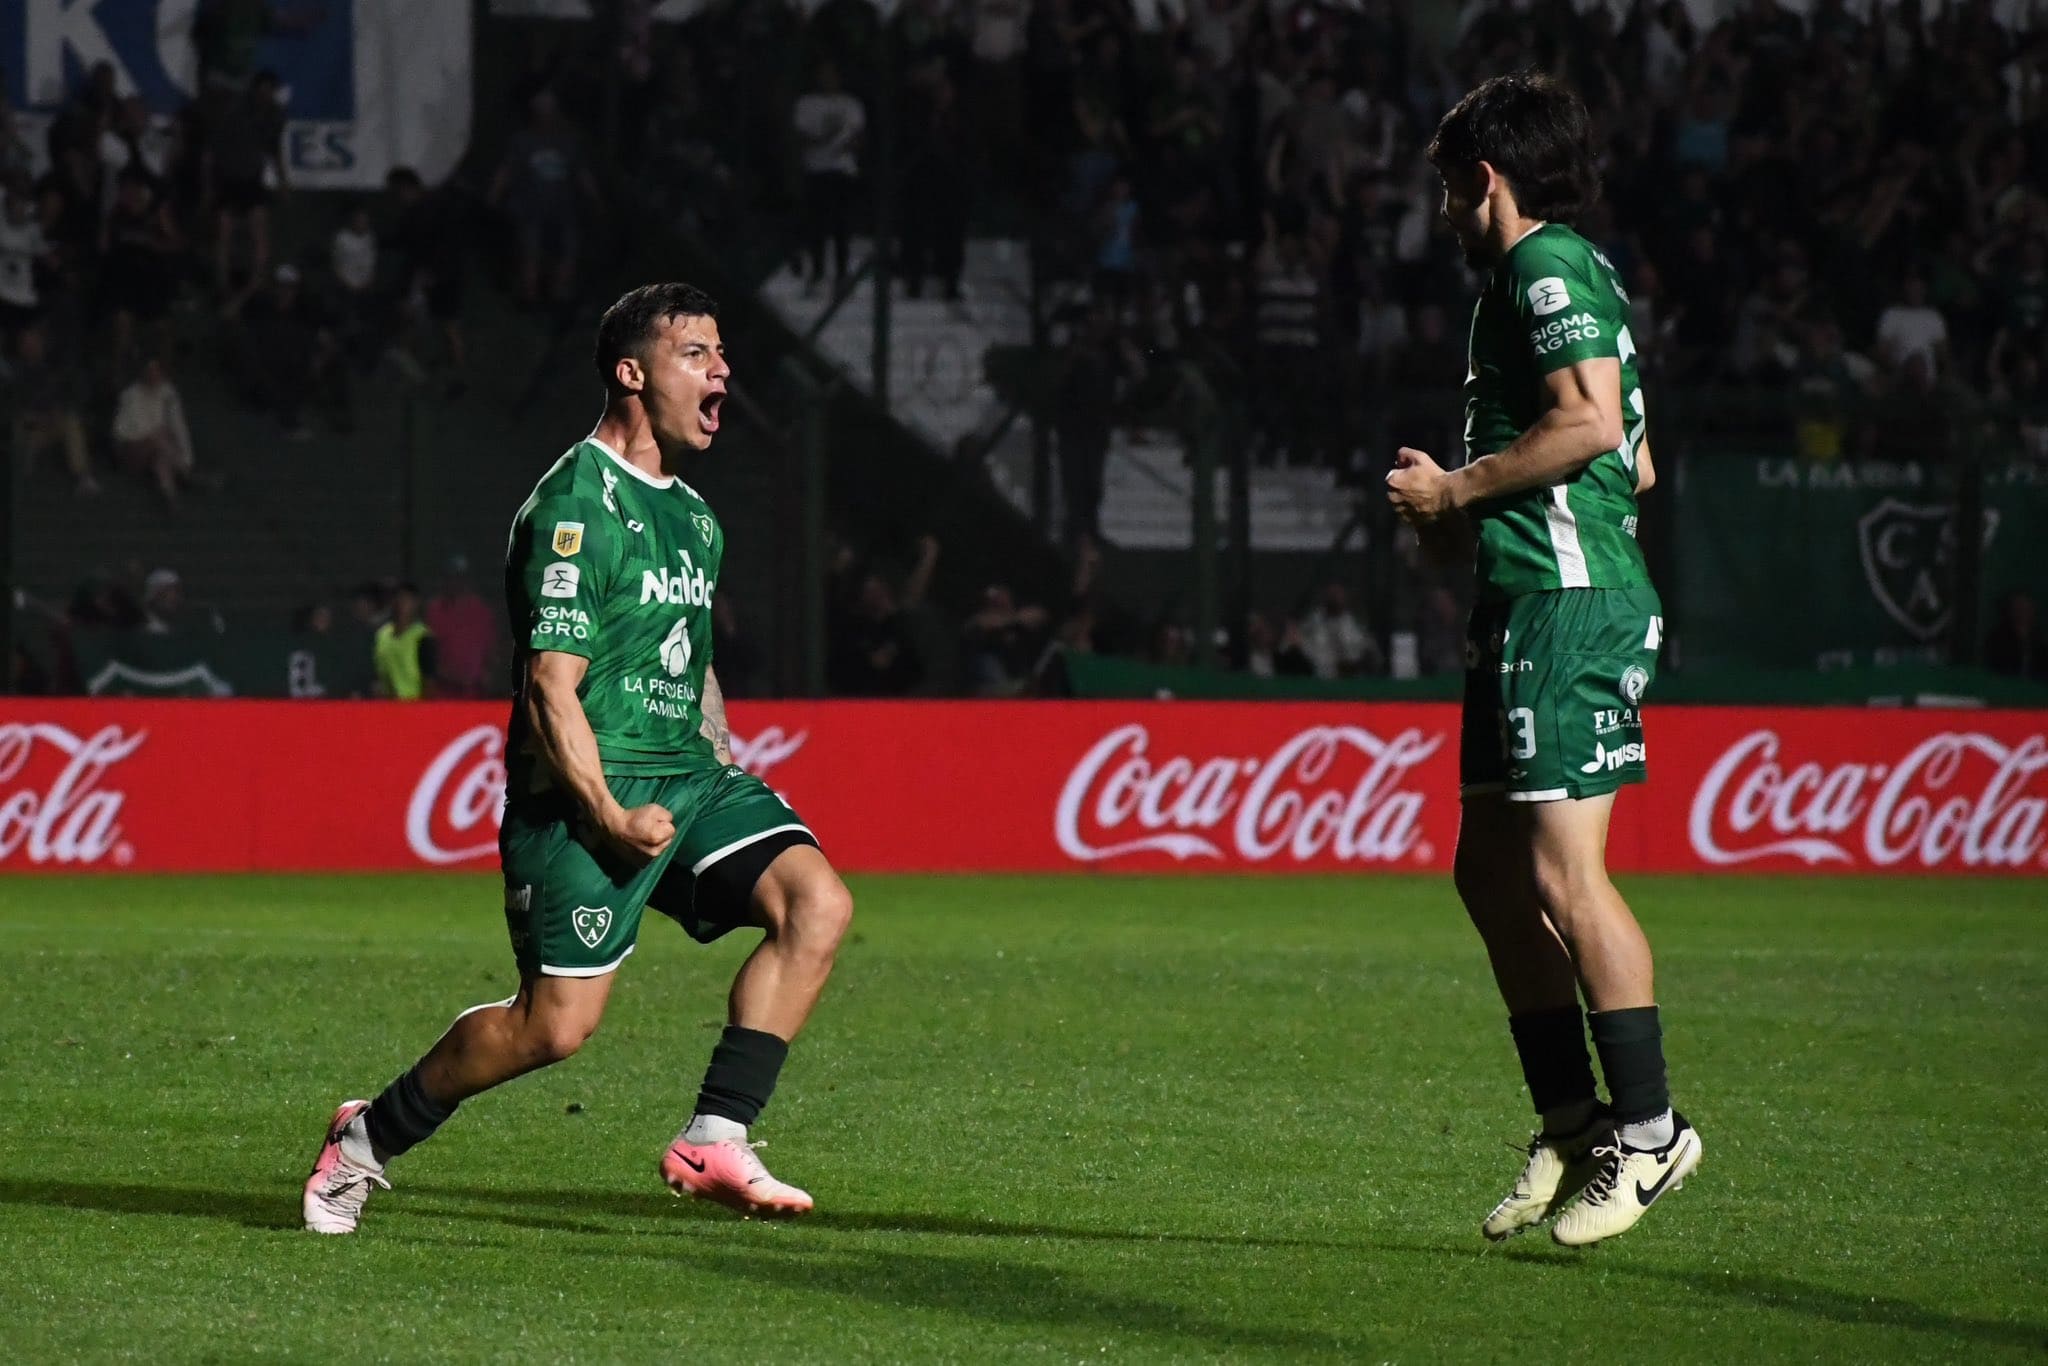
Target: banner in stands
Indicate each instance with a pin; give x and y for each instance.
(1040, 786)
(371, 84)
(1873, 546)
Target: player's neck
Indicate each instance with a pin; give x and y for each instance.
(630, 435)
(1507, 230)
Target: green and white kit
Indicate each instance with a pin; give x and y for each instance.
(607, 562)
(1563, 641)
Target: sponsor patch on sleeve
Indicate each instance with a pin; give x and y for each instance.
(1548, 295)
(560, 580)
(568, 537)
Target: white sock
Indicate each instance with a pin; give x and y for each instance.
(713, 1128)
(1649, 1133)
(1569, 1121)
(356, 1147)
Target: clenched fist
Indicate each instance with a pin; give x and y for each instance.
(641, 833)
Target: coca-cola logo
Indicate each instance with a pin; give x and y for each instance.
(1326, 790)
(1958, 796)
(69, 818)
(464, 787)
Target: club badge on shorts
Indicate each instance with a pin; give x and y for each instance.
(592, 923)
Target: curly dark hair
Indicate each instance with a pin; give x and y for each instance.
(639, 314)
(1533, 130)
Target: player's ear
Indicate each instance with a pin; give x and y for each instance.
(1485, 179)
(626, 370)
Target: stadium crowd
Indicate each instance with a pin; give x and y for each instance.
(1834, 214)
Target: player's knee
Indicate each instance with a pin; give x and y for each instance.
(1568, 888)
(820, 914)
(554, 1038)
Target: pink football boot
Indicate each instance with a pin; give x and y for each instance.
(336, 1190)
(727, 1171)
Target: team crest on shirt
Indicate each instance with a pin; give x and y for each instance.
(592, 924)
(703, 522)
(568, 538)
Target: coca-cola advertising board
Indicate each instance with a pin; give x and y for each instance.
(1024, 786)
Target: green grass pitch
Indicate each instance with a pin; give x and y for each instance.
(1045, 1120)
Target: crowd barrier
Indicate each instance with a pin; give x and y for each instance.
(161, 786)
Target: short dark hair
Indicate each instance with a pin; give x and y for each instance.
(1534, 131)
(639, 314)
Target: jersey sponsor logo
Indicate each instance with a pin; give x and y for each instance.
(560, 580)
(1516, 666)
(1608, 720)
(1563, 332)
(1635, 681)
(592, 924)
(675, 648)
(704, 525)
(1635, 751)
(568, 538)
(66, 817)
(687, 589)
(1291, 804)
(1548, 295)
(1956, 797)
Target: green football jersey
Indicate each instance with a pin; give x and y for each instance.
(607, 562)
(1553, 300)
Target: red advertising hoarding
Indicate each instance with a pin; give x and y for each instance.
(1024, 786)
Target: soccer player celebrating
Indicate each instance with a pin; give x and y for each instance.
(1562, 646)
(622, 791)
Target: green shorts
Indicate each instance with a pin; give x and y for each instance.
(573, 906)
(1554, 686)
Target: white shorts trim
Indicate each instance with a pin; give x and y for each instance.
(716, 854)
(547, 971)
(1548, 794)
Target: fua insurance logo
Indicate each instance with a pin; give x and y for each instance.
(370, 84)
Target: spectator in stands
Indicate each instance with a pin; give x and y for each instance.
(138, 140)
(163, 602)
(427, 240)
(1099, 361)
(830, 125)
(44, 401)
(1911, 328)
(150, 435)
(873, 655)
(939, 194)
(538, 183)
(1831, 391)
(2014, 645)
(290, 356)
(404, 652)
(1335, 641)
(465, 630)
(352, 260)
(1004, 641)
(1271, 656)
(139, 249)
(23, 252)
(244, 167)
(1116, 241)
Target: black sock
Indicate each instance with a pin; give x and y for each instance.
(1552, 1045)
(1631, 1045)
(404, 1115)
(742, 1074)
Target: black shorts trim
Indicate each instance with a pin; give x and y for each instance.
(720, 899)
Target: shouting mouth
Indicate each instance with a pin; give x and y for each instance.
(707, 410)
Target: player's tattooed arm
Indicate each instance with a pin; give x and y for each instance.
(715, 728)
